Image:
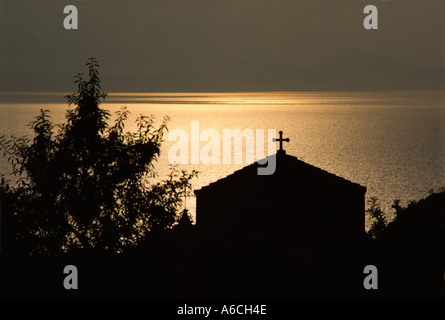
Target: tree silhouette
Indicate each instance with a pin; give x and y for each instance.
(377, 217)
(88, 185)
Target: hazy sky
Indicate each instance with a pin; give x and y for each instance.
(223, 45)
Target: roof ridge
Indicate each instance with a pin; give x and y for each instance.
(281, 156)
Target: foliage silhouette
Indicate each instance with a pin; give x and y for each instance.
(88, 185)
(377, 217)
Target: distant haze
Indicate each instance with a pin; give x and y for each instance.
(230, 45)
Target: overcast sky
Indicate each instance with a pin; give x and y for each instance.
(223, 45)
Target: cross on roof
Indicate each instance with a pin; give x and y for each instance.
(280, 140)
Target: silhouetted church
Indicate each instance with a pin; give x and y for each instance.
(299, 206)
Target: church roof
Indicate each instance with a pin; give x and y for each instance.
(289, 169)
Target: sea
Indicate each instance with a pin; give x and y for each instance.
(391, 142)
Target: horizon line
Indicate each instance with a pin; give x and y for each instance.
(185, 93)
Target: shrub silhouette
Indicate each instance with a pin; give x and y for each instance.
(87, 185)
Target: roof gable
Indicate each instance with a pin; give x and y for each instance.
(288, 169)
